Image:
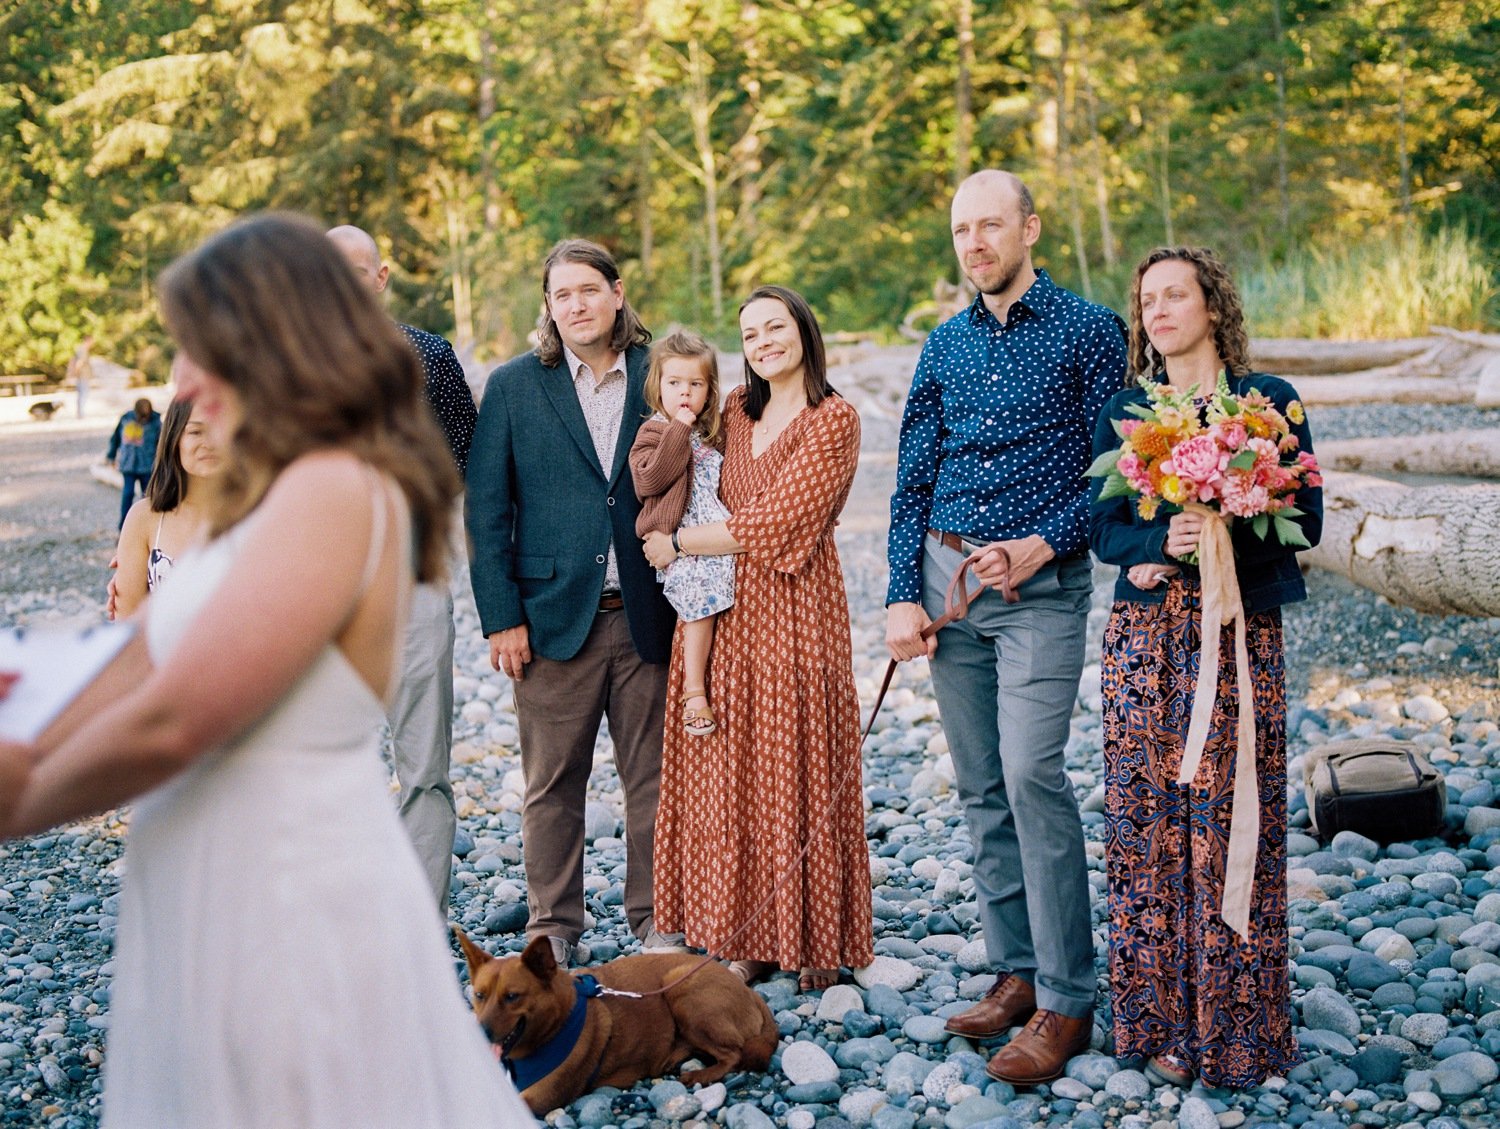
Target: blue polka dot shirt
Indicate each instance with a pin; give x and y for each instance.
(998, 427)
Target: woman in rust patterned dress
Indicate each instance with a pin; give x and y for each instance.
(739, 806)
(1186, 991)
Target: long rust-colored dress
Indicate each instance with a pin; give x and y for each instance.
(739, 805)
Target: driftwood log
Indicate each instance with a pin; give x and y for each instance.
(1432, 549)
(1470, 454)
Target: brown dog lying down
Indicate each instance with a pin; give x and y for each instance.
(526, 1005)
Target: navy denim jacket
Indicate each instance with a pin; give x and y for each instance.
(1268, 573)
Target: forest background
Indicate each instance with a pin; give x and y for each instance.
(1341, 154)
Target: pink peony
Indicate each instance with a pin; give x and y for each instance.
(1133, 468)
(1199, 463)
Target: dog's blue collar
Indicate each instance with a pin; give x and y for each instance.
(550, 1055)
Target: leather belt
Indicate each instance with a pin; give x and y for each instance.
(956, 543)
(611, 602)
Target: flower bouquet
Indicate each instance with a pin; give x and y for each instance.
(1238, 456)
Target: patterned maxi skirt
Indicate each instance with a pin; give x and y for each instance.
(1181, 981)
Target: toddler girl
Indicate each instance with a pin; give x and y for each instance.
(675, 462)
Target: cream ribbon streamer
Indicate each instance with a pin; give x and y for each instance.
(1221, 605)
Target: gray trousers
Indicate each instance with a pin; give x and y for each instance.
(1006, 679)
(558, 707)
(421, 720)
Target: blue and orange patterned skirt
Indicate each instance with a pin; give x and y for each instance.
(1181, 981)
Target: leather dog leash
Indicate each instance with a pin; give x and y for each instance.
(956, 607)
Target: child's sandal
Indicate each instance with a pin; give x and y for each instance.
(697, 722)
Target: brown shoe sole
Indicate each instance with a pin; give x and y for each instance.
(1038, 1079)
(1021, 1017)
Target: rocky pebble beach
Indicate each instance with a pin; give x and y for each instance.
(1396, 949)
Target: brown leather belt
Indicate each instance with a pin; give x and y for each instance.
(956, 543)
(611, 602)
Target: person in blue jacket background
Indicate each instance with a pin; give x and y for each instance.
(132, 448)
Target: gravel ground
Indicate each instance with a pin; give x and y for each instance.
(1397, 981)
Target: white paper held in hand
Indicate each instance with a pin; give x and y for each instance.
(54, 667)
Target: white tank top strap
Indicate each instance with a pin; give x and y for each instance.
(160, 520)
(385, 496)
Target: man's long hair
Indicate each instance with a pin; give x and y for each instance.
(628, 329)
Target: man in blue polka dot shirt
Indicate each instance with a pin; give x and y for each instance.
(994, 444)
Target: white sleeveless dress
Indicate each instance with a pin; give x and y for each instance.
(280, 961)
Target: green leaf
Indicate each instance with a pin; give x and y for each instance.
(1104, 464)
(1261, 523)
(1141, 411)
(1115, 486)
(1289, 533)
(1243, 461)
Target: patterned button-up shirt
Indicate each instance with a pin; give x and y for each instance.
(998, 427)
(603, 402)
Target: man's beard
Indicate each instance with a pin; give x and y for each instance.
(1008, 274)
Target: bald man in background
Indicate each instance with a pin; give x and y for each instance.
(421, 716)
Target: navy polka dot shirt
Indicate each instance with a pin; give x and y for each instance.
(998, 426)
(448, 392)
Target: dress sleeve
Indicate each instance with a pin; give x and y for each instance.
(782, 527)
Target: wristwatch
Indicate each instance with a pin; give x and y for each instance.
(677, 545)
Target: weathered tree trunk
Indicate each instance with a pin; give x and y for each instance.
(1384, 386)
(1432, 549)
(1289, 356)
(1474, 454)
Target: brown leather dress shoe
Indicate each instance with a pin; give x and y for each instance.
(1041, 1051)
(1009, 1001)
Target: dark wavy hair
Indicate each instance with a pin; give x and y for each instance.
(814, 356)
(167, 486)
(1224, 310)
(628, 329)
(269, 306)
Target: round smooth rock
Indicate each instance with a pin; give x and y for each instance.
(1425, 1100)
(837, 1000)
(889, 972)
(1072, 1089)
(1325, 1010)
(1197, 1114)
(1351, 844)
(859, 1106)
(1128, 1085)
(1377, 1066)
(940, 1079)
(743, 1115)
(1465, 1074)
(973, 1111)
(1424, 1029)
(1093, 1070)
(925, 1029)
(803, 1062)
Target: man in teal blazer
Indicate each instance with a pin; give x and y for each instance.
(572, 611)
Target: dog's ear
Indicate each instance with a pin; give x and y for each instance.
(538, 958)
(476, 956)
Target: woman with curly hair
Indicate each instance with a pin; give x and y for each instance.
(1188, 992)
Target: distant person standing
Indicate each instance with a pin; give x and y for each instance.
(81, 370)
(994, 444)
(132, 448)
(421, 715)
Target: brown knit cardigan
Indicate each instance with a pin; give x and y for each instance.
(661, 463)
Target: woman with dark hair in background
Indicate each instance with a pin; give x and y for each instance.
(782, 770)
(174, 514)
(279, 958)
(1188, 992)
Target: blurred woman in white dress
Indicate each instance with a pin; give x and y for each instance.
(279, 961)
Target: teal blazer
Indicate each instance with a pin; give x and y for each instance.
(541, 511)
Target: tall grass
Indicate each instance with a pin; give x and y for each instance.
(1393, 284)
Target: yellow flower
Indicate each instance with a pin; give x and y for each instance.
(1172, 489)
(1294, 412)
(1170, 419)
(1147, 508)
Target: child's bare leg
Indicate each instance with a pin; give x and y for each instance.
(697, 642)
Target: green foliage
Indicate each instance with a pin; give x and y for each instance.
(1396, 284)
(717, 144)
